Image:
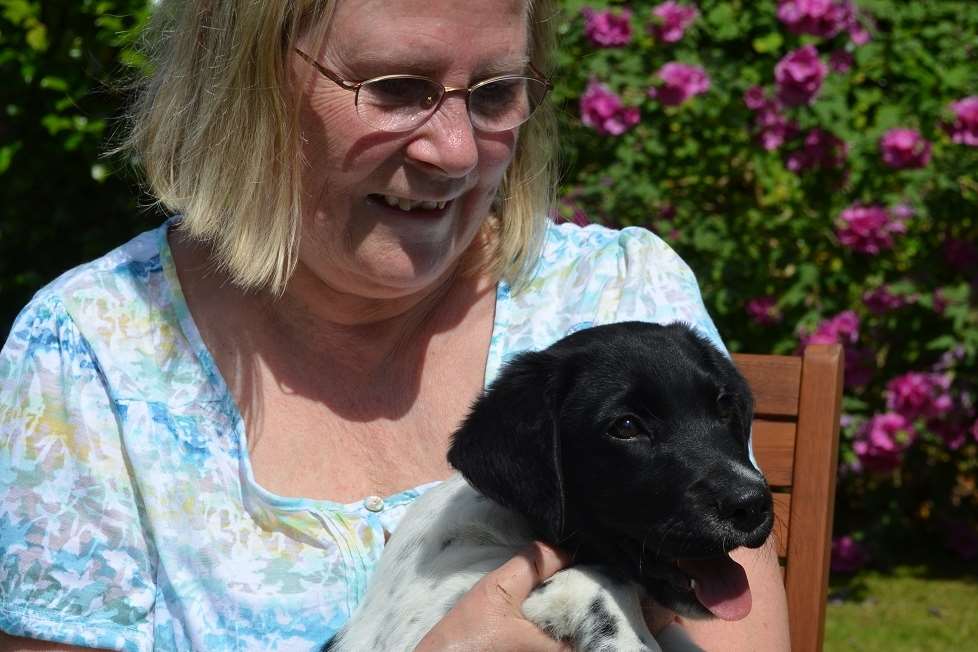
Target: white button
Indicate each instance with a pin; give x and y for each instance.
(373, 503)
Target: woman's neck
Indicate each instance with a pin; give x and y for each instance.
(315, 326)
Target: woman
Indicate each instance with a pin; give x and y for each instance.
(208, 433)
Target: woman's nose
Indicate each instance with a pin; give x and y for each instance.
(446, 142)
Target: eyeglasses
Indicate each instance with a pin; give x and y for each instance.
(399, 103)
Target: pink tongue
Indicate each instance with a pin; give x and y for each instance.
(721, 586)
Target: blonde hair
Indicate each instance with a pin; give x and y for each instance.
(218, 137)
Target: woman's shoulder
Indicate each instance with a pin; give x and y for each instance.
(596, 237)
(116, 312)
(116, 276)
(597, 261)
(576, 251)
(594, 275)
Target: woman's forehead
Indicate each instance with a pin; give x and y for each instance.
(412, 29)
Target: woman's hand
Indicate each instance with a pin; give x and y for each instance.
(489, 616)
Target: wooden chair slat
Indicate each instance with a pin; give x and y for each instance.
(796, 438)
(775, 379)
(774, 448)
(782, 521)
(813, 494)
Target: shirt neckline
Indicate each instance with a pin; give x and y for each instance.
(501, 316)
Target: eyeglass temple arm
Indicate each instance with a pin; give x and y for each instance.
(328, 74)
(541, 76)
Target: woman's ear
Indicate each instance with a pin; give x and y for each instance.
(508, 448)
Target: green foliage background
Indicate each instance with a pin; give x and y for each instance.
(745, 223)
(63, 72)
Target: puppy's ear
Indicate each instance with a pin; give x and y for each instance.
(508, 448)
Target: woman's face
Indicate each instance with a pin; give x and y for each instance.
(352, 239)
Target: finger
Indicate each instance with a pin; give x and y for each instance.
(512, 582)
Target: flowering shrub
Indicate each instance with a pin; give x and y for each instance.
(816, 163)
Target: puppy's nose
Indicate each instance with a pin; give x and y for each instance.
(746, 510)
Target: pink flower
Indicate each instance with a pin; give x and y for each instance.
(904, 148)
(841, 61)
(961, 254)
(773, 128)
(860, 365)
(570, 211)
(963, 540)
(843, 329)
(859, 34)
(952, 432)
(824, 18)
(964, 130)
(680, 82)
(607, 29)
(917, 394)
(603, 111)
(868, 229)
(673, 19)
(974, 430)
(799, 76)
(840, 329)
(848, 555)
(881, 301)
(880, 444)
(821, 149)
(763, 311)
(755, 98)
(902, 211)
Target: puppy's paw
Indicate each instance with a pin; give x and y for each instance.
(594, 612)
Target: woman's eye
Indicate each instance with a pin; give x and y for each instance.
(399, 92)
(625, 428)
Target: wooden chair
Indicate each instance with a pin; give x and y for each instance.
(796, 442)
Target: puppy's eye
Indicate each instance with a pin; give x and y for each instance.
(625, 428)
(725, 405)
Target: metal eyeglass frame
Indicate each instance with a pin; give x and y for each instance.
(355, 86)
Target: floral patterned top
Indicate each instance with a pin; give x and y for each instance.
(130, 517)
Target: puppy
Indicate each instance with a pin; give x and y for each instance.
(625, 444)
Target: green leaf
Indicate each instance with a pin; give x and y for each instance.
(37, 37)
(768, 43)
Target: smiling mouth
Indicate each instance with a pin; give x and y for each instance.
(409, 205)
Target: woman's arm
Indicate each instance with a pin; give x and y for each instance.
(765, 629)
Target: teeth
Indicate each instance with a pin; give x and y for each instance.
(408, 204)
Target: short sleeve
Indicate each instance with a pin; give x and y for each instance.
(659, 286)
(75, 564)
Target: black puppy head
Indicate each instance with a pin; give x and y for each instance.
(627, 442)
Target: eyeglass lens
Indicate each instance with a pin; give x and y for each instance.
(399, 103)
